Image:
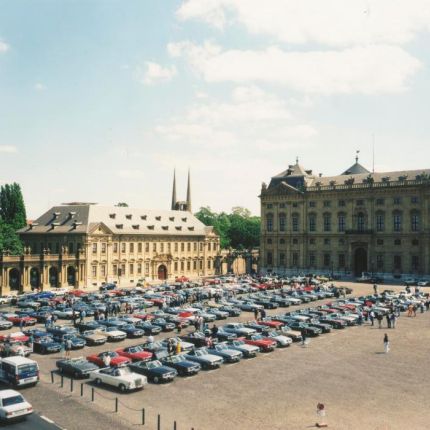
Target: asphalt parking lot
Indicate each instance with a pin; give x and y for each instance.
(345, 369)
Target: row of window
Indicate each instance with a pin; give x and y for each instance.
(341, 261)
(327, 241)
(156, 247)
(360, 222)
(342, 203)
(120, 269)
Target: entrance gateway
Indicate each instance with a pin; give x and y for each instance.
(360, 261)
(162, 272)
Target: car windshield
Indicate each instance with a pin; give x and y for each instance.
(123, 371)
(110, 354)
(238, 343)
(175, 359)
(27, 368)
(221, 347)
(257, 337)
(153, 364)
(201, 352)
(14, 400)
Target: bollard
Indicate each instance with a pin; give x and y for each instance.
(159, 422)
(174, 425)
(52, 376)
(116, 404)
(143, 416)
(92, 394)
(82, 389)
(71, 385)
(62, 381)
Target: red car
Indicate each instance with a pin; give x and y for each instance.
(270, 323)
(266, 344)
(14, 337)
(143, 316)
(115, 359)
(16, 319)
(77, 293)
(135, 353)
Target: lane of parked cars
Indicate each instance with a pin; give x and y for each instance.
(173, 308)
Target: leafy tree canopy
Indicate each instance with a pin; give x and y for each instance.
(12, 217)
(238, 230)
(122, 205)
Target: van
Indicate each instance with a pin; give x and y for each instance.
(19, 371)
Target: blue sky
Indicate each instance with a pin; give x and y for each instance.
(100, 100)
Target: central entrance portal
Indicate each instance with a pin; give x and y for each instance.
(162, 272)
(360, 261)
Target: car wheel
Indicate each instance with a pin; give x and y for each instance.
(98, 381)
(156, 379)
(122, 388)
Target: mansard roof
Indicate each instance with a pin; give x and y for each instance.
(84, 218)
(355, 169)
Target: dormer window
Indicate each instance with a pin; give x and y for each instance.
(128, 216)
(151, 227)
(172, 218)
(76, 223)
(119, 226)
(158, 218)
(112, 216)
(191, 228)
(143, 217)
(178, 227)
(165, 227)
(135, 226)
(72, 214)
(386, 179)
(56, 214)
(184, 219)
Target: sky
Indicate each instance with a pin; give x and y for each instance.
(101, 99)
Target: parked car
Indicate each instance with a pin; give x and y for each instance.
(238, 329)
(224, 351)
(204, 358)
(76, 341)
(248, 351)
(185, 346)
(165, 325)
(19, 319)
(77, 367)
(122, 378)
(264, 343)
(281, 340)
(112, 334)
(13, 406)
(5, 324)
(135, 353)
(295, 335)
(132, 331)
(93, 338)
(183, 366)
(46, 345)
(197, 338)
(115, 359)
(154, 371)
(148, 328)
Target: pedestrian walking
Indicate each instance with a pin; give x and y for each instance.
(68, 347)
(386, 344)
(387, 317)
(375, 288)
(393, 320)
(321, 416)
(304, 339)
(256, 314)
(372, 317)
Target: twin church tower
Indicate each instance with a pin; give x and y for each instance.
(181, 205)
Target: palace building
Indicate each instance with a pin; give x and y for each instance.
(84, 244)
(358, 221)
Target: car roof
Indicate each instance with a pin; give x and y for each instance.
(8, 393)
(17, 360)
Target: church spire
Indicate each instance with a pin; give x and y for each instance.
(174, 191)
(189, 193)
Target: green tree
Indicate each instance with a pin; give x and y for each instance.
(122, 205)
(239, 230)
(9, 240)
(12, 208)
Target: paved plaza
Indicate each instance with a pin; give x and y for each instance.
(346, 370)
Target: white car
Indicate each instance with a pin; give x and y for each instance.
(60, 291)
(238, 328)
(122, 378)
(13, 405)
(281, 340)
(112, 334)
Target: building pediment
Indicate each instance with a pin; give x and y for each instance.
(99, 229)
(281, 188)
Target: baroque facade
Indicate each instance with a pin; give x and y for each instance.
(348, 224)
(84, 244)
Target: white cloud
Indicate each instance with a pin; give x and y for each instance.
(8, 149)
(4, 47)
(328, 22)
(363, 69)
(154, 73)
(130, 173)
(251, 118)
(39, 86)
